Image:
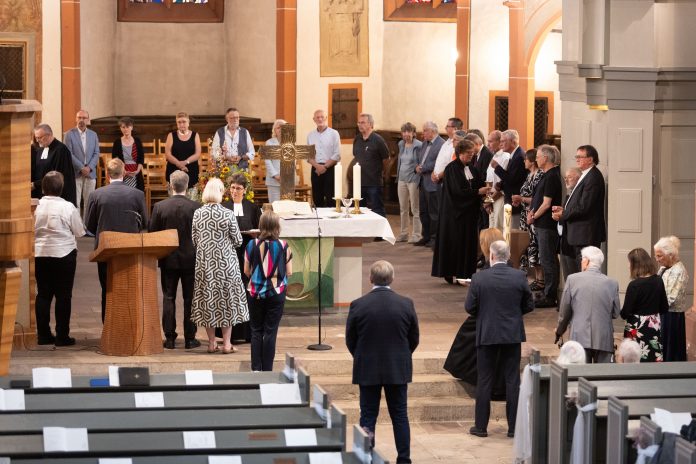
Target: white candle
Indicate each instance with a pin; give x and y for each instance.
(338, 181)
(356, 181)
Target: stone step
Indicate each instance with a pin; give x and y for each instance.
(343, 365)
(340, 388)
(443, 409)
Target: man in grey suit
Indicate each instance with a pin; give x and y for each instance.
(428, 190)
(115, 207)
(590, 301)
(381, 334)
(83, 144)
(498, 297)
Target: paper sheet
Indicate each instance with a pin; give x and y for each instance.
(280, 393)
(300, 437)
(195, 440)
(49, 377)
(115, 461)
(11, 400)
(670, 421)
(199, 377)
(224, 460)
(65, 439)
(325, 458)
(149, 399)
(113, 376)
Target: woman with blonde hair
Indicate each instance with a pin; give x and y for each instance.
(676, 279)
(219, 298)
(267, 264)
(273, 166)
(183, 149)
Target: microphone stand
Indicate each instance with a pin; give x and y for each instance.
(319, 346)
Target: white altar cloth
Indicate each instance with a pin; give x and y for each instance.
(363, 225)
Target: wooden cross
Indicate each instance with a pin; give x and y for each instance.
(287, 153)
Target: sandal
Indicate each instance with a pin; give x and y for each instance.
(537, 286)
(229, 351)
(214, 350)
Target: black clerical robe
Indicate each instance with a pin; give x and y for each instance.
(58, 159)
(456, 245)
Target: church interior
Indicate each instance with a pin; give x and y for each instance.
(616, 74)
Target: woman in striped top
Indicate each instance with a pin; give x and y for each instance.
(267, 263)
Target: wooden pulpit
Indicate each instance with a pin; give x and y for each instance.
(132, 321)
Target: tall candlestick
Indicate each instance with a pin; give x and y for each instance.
(338, 181)
(356, 181)
(508, 223)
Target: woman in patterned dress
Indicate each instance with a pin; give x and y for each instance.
(645, 301)
(129, 149)
(676, 279)
(219, 297)
(530, 257)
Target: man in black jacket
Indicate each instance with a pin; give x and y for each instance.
(381, 334)
(177, 213)
(498, 297)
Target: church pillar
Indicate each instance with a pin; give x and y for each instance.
(521, 85)
(461, 93)
(70, 60)
(286, 60)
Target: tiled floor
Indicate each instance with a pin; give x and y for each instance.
(440, 310)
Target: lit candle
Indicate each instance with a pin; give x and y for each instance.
(338, 181)
(356, 181)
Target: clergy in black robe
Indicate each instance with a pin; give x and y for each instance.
(248, 216)
(51, 155)
(456, 244)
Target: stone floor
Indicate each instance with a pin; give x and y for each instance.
(440, 310)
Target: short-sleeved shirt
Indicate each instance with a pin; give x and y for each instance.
(327, 144)
(551, 186)
(369, 153)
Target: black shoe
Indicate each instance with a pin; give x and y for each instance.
(478, 432)
(449, 280)
(192, 343)
(545, 303)
(511, 434)
(65, 341)
(378, 239)
(430, 244)
(169, 344)
(49, 340)
(421, 242)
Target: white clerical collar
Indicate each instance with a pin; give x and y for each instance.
(238, 209)
(44, 153)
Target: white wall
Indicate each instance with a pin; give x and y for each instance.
(51, 72)
(97, 56)
(545, 75)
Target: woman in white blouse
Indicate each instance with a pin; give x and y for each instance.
(273, 166)
(56, 224)
(676, 279)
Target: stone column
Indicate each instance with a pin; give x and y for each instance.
(461, 86)
(70, 60)
(286, 60)
(16, 224)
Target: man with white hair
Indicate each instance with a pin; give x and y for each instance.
(498, 298)
(371, 152)
(628, 352)
(428, 190)
(589, 303)
(514, 174)
(327, 143)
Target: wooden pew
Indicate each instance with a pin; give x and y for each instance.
(553, 388)
(361, 454)
(595, 431)
(619, 428)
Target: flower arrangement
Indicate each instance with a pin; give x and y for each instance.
(224, 171)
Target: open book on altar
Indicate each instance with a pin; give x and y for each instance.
(290, 208)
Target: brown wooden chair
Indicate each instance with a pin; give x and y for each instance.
(104, 158)
(258, 180)
(156, 187)
(303, 190)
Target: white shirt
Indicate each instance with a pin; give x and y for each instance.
(502, 158)
(232, 142)
(444, 156)
(56, 224)
(272, 166)
(327, 144)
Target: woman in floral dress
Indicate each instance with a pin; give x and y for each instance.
(530, 257)
(645, 301)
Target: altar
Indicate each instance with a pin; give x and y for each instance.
(341, 255)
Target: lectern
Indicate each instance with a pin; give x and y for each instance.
(132, 320)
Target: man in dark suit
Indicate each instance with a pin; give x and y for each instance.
(498, 297)
(381, 334)
(115, 207)
(514, 176)
(427, 189)
(583, 215)
(177, 213)
(50, 154)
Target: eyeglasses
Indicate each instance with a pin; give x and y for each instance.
(452, 127)
(577, 157)
(236, 187)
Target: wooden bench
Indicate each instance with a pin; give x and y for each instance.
(685, 452)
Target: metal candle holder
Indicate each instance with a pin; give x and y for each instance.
(338, 204)
(356, 210)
